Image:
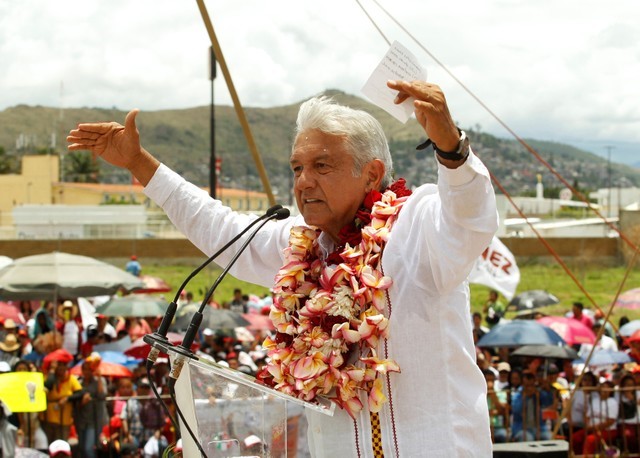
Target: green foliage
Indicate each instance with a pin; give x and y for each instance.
(80, 167)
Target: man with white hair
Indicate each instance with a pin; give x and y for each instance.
(366, 275)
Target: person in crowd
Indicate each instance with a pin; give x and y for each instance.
(343, 182)
(498, 408)
(238, 303)
(59, 413)
(10, 349)
(105, 328)
(152, 415)
(478, 329)
(527, 404)
(493, 309)
(581, 402)
(29, 422)
(8, 327)
(600, 423)
(111, 439)
(132, 428)
(8, 432)
(90, 414)
(136, 327)
(71, 339)
(133, 266)
(504, 372)
(629, 417)
(577, 313)
(59, 448)
(42, 323)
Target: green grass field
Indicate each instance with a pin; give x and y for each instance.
(601, 284)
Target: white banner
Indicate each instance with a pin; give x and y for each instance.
(497, 269)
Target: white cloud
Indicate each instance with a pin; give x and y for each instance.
(556, 70)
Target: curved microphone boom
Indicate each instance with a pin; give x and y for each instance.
(158, 340)
(184, 349)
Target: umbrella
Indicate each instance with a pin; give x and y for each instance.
(572, 331)
(629, 328)
(258, 322)
(607, 356)
(520, 332)
(547, 351)
(105, 369)
(138, 305)
(5, 261)
(532, 299)
(141, 349)
(118, 357)
(11, 311)
(211, 318)
(119, 345)
(153, 285)
(629, 299)
(53, 275)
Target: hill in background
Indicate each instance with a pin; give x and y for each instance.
(181, 139)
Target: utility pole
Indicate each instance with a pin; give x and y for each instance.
(213, 179)
(609, 148)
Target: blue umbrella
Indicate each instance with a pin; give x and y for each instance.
(607, 357)
(520, 332)
(119, 358)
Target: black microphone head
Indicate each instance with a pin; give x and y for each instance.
(282, 213)
(273, 209)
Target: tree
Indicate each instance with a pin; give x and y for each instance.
(8, 164)
(80, 167)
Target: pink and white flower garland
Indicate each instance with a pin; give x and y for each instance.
(330, 318)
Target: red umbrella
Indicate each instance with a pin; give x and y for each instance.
(153, 285)
(105, 369)
(571, 330)
(61, 355)
(140, 349)
(258, 322)
(11, 311)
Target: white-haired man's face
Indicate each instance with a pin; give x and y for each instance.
(327, 192)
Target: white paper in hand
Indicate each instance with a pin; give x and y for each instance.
(398, 64)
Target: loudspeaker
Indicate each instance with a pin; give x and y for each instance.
(534, 449)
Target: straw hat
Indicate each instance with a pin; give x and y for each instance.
(10, 343)
(68, 305)
(10, 324)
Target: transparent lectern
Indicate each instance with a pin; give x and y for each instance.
(234, 416)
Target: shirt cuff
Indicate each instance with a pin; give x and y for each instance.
(463, 174)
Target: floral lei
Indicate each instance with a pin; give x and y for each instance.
(329, 314)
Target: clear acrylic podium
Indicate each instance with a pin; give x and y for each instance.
(234, 416)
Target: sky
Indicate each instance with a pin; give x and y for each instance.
(557, 70)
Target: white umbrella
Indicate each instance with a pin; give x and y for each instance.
(5, 261)
(62, 275)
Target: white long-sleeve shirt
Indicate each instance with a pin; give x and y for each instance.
(438, 402)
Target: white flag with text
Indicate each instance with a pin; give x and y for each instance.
(497, 269)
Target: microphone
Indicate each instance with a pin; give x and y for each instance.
(158, 340)
(184, 349)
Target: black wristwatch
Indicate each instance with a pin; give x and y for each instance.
(460, 153)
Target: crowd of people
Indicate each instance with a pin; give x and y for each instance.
(595, 408)
(87, 413)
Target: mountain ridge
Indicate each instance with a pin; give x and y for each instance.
(180, 138)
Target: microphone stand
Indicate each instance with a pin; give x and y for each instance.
(158, 340)
(184, 349)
